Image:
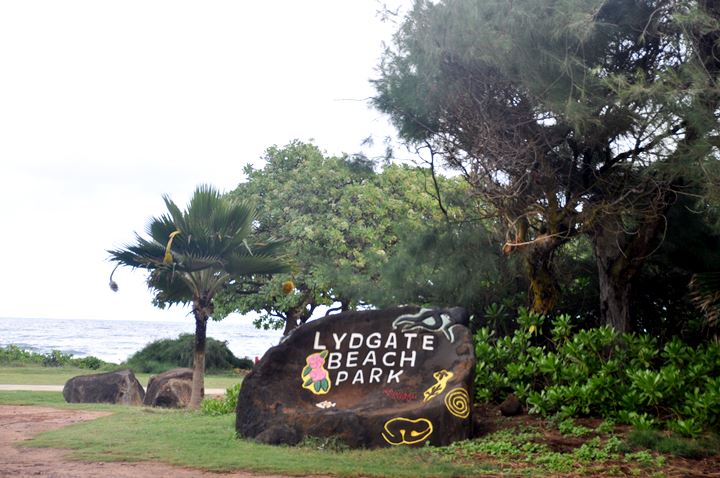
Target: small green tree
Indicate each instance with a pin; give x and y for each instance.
(191, 255)
(343, 222)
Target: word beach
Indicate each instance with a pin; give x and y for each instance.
(373, 358)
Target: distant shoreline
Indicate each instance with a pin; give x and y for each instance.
(115, 340)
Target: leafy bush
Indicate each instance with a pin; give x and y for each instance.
(90, 363)
(15, 356)
(165, 354)
(56, 358)
(222, 405)
(599, 372)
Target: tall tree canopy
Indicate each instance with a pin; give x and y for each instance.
(566, 117)
(343, 223)
(193, 254)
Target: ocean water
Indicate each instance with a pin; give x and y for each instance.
(116, 340)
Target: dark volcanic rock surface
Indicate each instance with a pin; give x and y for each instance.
(399, 376)
(113, 387)
(170, 389)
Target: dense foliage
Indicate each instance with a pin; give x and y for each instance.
(222, 405)
(601, 372)
(567, 118)
(358, 236)
(164, 354)
(13, 355)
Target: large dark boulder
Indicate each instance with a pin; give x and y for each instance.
(171, 389)
(399, 376)
(112, 387)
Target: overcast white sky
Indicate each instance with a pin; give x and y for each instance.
(105, 106)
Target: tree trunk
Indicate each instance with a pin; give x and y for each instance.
(291, 322)
(544, 287)
(614, 280)
(619, 256)
(299, 314)
(198, 381)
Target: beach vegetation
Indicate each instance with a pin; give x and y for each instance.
(600, 372)
(12, 355)
(340, 218)
(164, 354)
(223, 405)
(192, 255)
(363, 231)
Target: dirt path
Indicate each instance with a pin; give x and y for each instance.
(19, 423)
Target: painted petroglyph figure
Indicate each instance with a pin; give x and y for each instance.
(406, 431)
(457, 402)
(442, 377)
(431, 320)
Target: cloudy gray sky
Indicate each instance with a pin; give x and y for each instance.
(106, 106)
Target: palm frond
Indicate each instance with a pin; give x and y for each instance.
(270, 248)
(208, 252)
(144, 254)
(159, 229)
(705, 295)
(245, 265)
(177, 218)
(169, 288)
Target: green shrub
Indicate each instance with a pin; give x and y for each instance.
(90, 363)
(15, 356)
(599, 372)
(165, 354)
(222, 405)
(56, 358)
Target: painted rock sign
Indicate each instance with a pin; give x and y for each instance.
(391, 377)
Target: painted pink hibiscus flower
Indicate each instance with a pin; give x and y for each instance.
(314, 376)
(315, 361)
(318, 374)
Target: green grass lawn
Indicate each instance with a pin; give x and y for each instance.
(37, 375)
(192, 439)
(195, 440)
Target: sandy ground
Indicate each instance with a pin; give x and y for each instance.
(19, 423)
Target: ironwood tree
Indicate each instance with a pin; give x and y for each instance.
(567, 118)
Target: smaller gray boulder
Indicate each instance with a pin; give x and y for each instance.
(119, 387)
(171, 389)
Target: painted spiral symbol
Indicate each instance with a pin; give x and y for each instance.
(457, 402)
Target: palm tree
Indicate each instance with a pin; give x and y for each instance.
(192, 255)
(705, 294)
